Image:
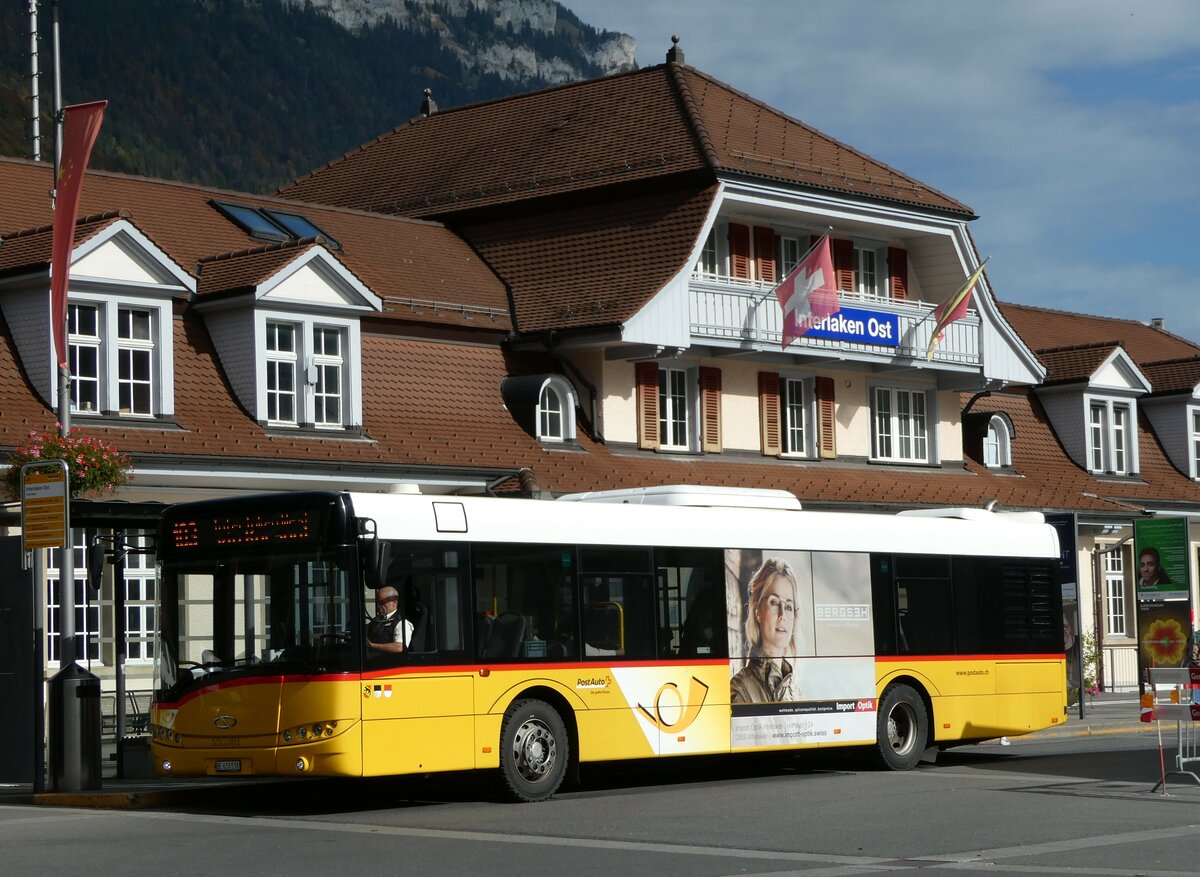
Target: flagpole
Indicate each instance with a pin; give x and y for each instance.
(66, 568)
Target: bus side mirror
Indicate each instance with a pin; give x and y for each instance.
(376, 556)
(96, 555)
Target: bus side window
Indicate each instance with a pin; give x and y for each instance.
(691, 603)
(883, 599)
(618, 601)
(924, 604)
(524, 602)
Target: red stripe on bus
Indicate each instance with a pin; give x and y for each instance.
(909, 659)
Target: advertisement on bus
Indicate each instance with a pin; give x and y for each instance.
(800, 646)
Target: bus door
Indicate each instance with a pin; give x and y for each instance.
(418, 703)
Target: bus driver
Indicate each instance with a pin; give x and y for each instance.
(388, 631)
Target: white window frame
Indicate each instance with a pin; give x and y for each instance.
(280, 361)
(867, 263)
(129, 350)
(790, 254)
(1111, 435)
(140, 603)
(87, 610)
(1194, 440)
(1115, 619)
(563, 411)
(708, 265)
(997, 444)
(85, 346)
(892, 408)
(312, 370)
(110, 347)
(796, 403)
(678, 413)
(329, 388)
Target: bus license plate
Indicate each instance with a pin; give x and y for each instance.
(229, 765)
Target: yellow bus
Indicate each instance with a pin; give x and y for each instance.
(347, 634)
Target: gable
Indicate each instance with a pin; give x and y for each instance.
(309, 286)
(123, 254)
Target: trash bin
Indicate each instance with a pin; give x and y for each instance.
(74, 719)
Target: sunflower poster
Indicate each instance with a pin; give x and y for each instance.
(1163, 628)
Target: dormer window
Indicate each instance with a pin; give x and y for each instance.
(556, 411)
(304, 373)
(1110, 437)
(997, 444)
(113, 350)
(544, 406)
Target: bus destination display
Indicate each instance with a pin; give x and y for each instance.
(285, 526)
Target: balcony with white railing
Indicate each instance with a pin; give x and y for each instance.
(745, 314)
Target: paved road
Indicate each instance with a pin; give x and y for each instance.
(1066, 803)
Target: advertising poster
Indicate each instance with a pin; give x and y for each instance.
(1161, 554)
(1163, 633)
(801, 646)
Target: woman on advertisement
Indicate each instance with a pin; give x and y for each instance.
(770, 629)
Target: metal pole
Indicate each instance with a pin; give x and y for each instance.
(66, 567)
(39, 669)
(35, 104)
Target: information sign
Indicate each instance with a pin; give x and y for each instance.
(44, 508)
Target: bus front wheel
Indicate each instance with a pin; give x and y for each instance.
(534, 750)
(902, 728)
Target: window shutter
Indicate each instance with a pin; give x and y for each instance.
(843, 263)
(710, 409)
(646, 375)
(898, 271)
(768, 414)
(739, 251)
(826, 446)
(764, 254)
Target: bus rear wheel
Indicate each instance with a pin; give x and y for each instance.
(902, 728)
(534, 749)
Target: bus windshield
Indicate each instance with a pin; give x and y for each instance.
(248, 615)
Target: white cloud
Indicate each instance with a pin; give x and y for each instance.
(1070, 126)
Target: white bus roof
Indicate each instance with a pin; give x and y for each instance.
(692, 495)
(491, 519)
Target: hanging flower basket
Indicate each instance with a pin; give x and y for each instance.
(96, 468)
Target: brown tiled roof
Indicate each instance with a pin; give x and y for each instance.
(657, 122)
(1173, 375)
(1078, 362)
(32, 247)
(591, 264)
(248, 268)
(1043, 329)
(747, 136)
(411, 264)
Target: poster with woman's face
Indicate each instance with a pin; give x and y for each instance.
(801, 646)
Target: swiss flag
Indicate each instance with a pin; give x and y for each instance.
(809, 293)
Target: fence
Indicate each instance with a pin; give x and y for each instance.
(1176, 695)
(1120, 669)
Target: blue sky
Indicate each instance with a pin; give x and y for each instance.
(1071, 127)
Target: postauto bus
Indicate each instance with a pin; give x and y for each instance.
(540, 635)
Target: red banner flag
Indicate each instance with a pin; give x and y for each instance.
(809, 293)
(81, 124)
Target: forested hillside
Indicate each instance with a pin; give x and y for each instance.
(247, 94)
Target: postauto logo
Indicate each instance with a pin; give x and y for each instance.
(670, 711)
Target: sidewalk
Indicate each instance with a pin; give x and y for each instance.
(1108, 713)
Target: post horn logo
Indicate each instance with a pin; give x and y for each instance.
(689, 707)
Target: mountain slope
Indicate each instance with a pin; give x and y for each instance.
(247, 94)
